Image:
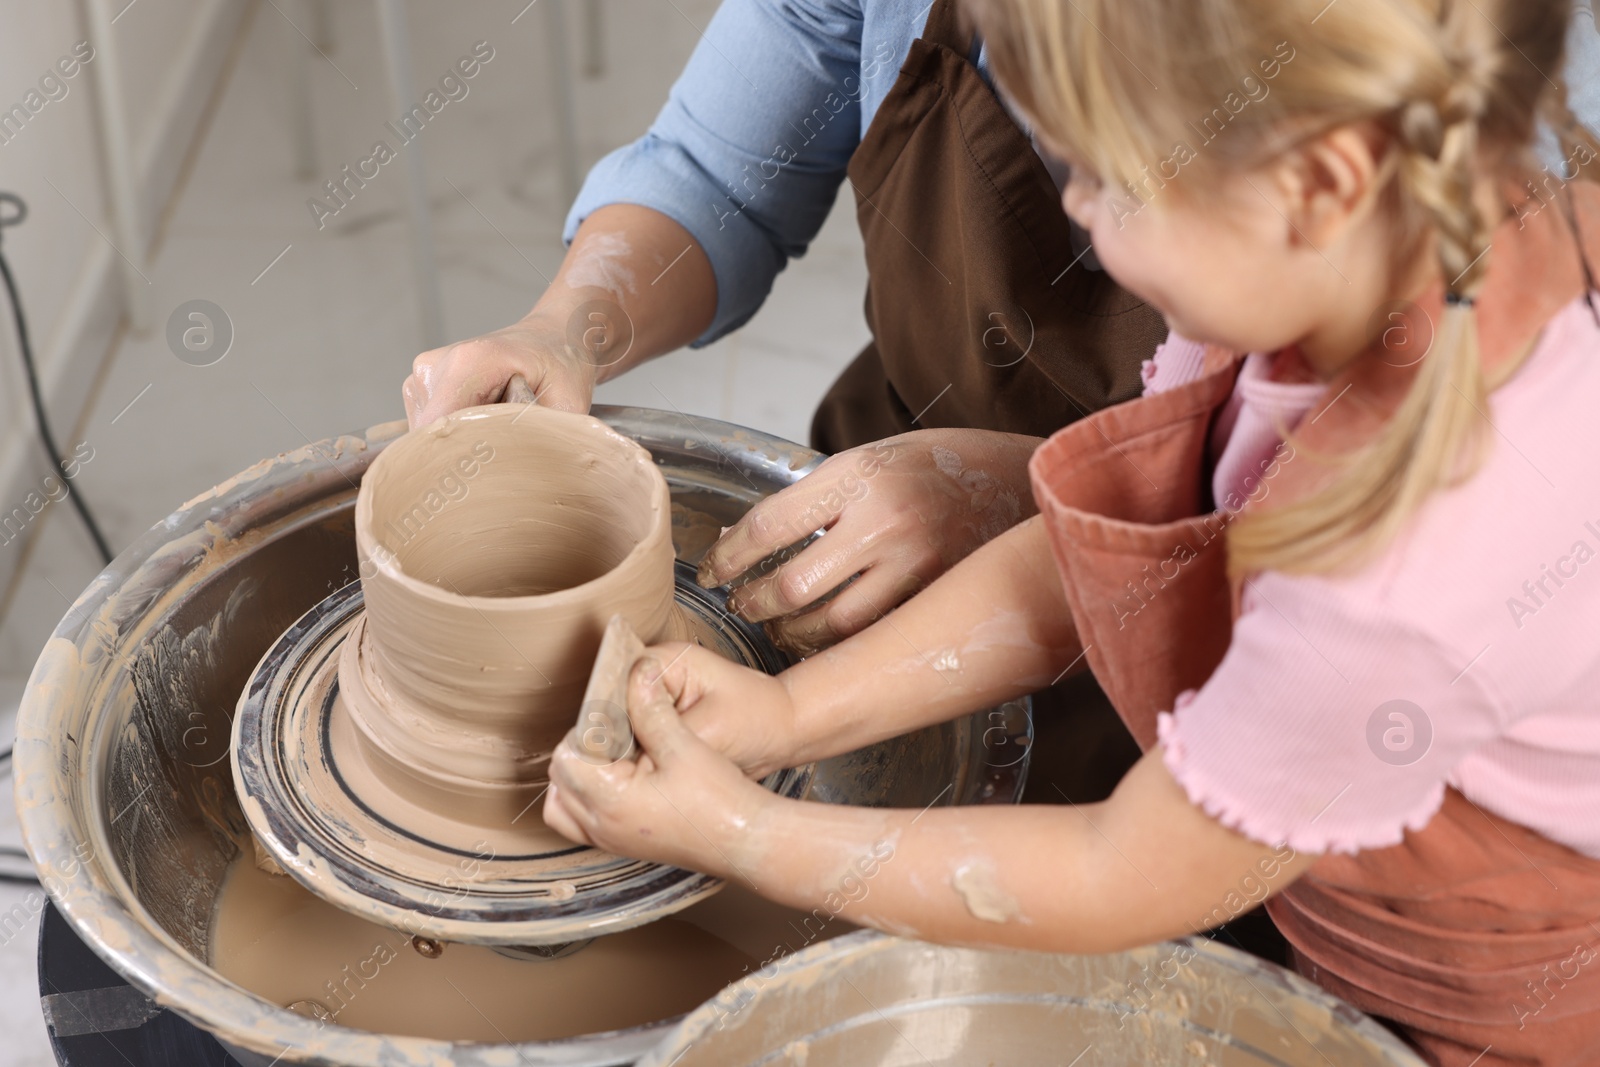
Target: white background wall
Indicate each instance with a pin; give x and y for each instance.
(323, 340)
(173, 53)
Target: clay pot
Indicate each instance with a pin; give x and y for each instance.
(494, 545)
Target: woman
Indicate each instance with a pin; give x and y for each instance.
(992, 325)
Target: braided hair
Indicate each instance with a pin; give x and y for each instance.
(1458, 87)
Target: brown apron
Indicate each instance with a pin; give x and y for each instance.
(1479, 939)
(978, 314)
(980, 318)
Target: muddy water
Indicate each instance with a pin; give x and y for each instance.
(282, 943)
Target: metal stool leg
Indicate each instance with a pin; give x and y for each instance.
(566, 108)
(594, 39)
(302, 128)
(116, 156)
(397, 55)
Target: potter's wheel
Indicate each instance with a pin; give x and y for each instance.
(136, 820)
(374, 851)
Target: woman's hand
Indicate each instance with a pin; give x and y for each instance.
(476, 371)
(897, 514)
(677, 800)
(594, 321)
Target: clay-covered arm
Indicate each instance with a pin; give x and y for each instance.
(1144, 865)
(994, 627)
(635, 284)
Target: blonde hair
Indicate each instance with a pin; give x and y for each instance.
(1457, 85)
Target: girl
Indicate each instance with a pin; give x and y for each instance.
(1344, 590)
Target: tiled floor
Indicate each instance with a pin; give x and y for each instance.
(323, 338)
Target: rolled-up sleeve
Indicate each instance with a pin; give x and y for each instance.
(748, 153)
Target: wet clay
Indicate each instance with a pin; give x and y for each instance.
(979, 888)
(277, 940)
(604, 734)
(480, 820)
(494, 546)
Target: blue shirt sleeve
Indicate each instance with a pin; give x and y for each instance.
(748, 153)
(1583, 65)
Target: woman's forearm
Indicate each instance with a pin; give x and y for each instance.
(637, 260)
(994, 627)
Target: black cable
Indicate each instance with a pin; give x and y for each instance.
(43, 420)
(7, 851)
(20, 213)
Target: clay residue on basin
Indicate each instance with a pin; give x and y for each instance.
(280, 942)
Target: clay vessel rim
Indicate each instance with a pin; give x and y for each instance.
(387, 563)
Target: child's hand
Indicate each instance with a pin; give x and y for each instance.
(676, 801)
(742, 713)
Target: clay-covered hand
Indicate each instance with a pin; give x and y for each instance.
(476, 371)
(676, 800)
(742, 713)
(896, 514)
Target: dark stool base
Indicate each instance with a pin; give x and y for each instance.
(67, 965)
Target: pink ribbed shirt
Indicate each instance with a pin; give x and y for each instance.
(1466, 654)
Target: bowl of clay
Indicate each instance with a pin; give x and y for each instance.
(867, 998)
(128, 805)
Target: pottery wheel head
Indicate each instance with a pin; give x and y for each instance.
(378, 853)
(354, 824)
